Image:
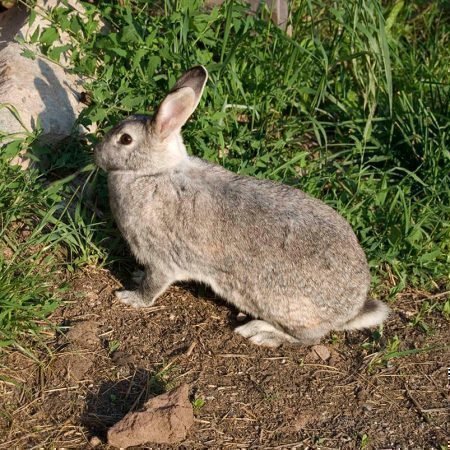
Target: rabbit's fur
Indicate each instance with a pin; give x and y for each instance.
(274, 252)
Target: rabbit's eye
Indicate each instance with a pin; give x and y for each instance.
(126, 139)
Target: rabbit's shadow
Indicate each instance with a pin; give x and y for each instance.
(200, 290)
(196, 289)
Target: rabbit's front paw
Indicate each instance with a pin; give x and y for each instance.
(132, 298)
(263, 333)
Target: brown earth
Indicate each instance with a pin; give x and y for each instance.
(351, 392)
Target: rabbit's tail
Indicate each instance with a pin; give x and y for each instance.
(372, 313)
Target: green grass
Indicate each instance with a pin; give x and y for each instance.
(42, 235)
(354, 109)
(198, 403)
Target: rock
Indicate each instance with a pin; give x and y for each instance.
(40, 91)
(11, 22)
(14, 23)
(73, 365)
(78, 366)
(165, 419)
(81, 351)
(8, 3)
(95, 441)
(321, 351)
(241, 317)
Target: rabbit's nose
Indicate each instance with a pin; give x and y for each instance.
(97, 152)
(98, 147)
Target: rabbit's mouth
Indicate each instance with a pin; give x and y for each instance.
(98, 156)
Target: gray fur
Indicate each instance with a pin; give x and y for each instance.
(271, 250)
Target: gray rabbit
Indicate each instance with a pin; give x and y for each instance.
(287, 259)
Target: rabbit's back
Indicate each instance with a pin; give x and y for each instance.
(281, 244)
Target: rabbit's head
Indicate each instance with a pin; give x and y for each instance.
(154, 144)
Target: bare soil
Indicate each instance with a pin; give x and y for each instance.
(351, 392)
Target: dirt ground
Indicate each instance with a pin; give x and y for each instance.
(109, 359)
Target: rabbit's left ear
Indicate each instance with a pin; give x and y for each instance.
(180, 103)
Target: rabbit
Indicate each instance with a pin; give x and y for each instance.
(277, 254)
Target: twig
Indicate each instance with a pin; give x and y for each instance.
(441, 294)
(201, 421)
(435, 410)
(190, 349)
(290, 445)
(69, 388)
(417, 405)
(234, 355)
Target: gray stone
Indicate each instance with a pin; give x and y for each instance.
(41, 92)
(11, 22)
(321, 351)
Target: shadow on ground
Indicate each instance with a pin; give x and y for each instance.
(113, 400)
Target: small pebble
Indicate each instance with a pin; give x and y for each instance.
(95, 441)
(321, 351)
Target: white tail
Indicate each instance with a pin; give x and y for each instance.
(373, 313)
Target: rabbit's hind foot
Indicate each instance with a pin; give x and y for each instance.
(132, 298)
(263, 333)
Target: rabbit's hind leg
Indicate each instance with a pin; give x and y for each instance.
(263, 333)
(310, 336)
(151, 287)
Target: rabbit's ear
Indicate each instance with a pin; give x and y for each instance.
(180, 103)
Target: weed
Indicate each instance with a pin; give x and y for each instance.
(364, 441)
(446, 309)
(113, 346)
(392, 346)
(198, 403)
(392, 351)
(418, 320)
(375, 342)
